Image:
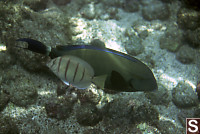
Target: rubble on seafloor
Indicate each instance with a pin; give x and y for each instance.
(164, 34)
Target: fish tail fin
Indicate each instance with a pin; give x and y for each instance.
(36, 46)
(99, 80)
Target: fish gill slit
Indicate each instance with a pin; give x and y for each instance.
(67, 69)
(59, 63)
(75, 71)
(83, 74)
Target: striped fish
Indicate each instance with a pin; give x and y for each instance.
(75, 71)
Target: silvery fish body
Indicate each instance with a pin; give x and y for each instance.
(72, 70)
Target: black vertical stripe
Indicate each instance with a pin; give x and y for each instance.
(82, 75)
(75, 71)
(59, 64)
(66, 69)
(53, 63)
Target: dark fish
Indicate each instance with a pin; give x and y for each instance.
(124, 72)
(75, 71)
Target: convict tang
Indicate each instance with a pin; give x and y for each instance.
(75, 71)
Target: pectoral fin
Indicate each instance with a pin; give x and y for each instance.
(117, 81)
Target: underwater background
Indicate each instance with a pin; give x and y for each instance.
(163, 34)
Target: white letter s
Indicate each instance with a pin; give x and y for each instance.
(192, 125)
